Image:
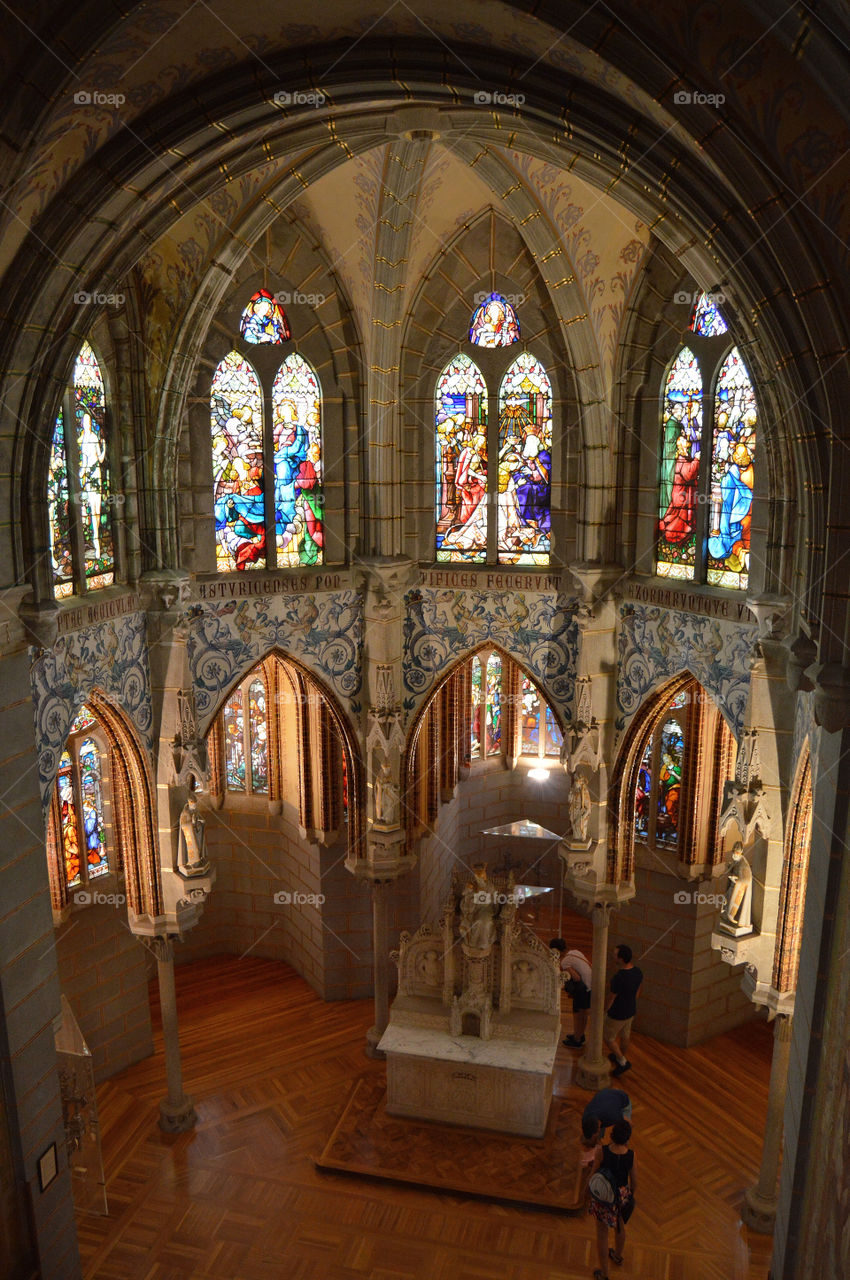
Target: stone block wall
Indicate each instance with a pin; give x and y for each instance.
(688, 993)
(103, 971)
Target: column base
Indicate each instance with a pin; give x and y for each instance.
(179, 1117)
(593, 1075)
(373, 1035)
(758, 1212)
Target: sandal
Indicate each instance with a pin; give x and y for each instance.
(615, 1257)
(599, 1275)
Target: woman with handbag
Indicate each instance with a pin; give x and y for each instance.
(612, 1195)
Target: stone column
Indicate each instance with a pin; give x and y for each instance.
(759, 1211)
(594, 1068)
(177, 1111)
(381, 966)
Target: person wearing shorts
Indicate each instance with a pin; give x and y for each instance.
(577, 972)
(622, 1006)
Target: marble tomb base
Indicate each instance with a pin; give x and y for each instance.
(499, 1084)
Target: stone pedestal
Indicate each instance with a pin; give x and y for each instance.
(488, 1084)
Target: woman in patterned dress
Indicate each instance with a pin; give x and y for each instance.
(618, 1160)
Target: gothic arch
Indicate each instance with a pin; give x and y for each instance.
(305, 686)
(708, 758)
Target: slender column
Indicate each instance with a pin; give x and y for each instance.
(177, 1111)
(381, 967)
(594, 1068)
(759, 1211)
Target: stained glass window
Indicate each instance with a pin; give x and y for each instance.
(59, 507)
(264, 320)
(68, 820)
(493, 719)
(658, 786)
(525, 463)
(530, 728)
(92, 806)
(461, 471)
(81, 830)
(238, 479)
(475, 740)
(669, 782)
(731, 494)
(494, 323)
(681, 436)
(554, 737)
(643, 793)
(707, 320)
(234, 742)
(259, 736)
(79, 490)
(540, 734)
(298, 494)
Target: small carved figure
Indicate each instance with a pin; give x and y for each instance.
(192, 855)
(430, 969)
(737, 910)
(524, 980)
(478, 912)
(579, 809)
(386, 798)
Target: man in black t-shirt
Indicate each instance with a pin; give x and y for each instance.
(621, 1009)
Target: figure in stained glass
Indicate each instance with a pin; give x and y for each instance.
(94, 484)
(681, 434)
(525, 463)
(707, 320)
(59, 508)
(461, 472)
(494, 323)
(234, 742)
(475, 726)
(299, 500)
(238, 479)
(493, 718)
(259, 736)
(643, 791)
(68, 820)
(530, 717)
(554, 737)
(92, 806)
(264, 320)
(669, 781)
(732, 475)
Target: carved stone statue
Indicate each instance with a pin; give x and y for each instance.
(430, 969)
(386, 798)
(579, 809)
(478, 913)
(192, 854)
(737, 910)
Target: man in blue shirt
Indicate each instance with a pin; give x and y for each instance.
(605, 1108)
(621, 1009)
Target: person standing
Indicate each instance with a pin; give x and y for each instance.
(576, 970)
(621, 1009)
(617, 1162)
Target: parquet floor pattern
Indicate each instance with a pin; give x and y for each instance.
(499, 1166)
(270, 1067)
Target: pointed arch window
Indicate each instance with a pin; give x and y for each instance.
(77, 827)
(525, 463)
(264, 320)
(461, 438)
(706, 460)
(494, 322)
(245, 723)
(261, 525)
(540, 734)
(79, 488)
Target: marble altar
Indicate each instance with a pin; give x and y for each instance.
(474, 1029)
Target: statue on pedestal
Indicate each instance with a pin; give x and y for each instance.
(478, 913)
(736, 915)
(579, 810)
(386, 798)
(192, 855)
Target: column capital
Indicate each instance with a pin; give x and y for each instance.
(832, 697)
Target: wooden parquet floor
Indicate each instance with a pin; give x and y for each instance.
(497, 1166)
(270, 1067)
